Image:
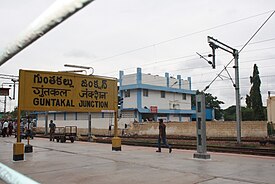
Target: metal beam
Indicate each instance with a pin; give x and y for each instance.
(53, 16)
(215, 44)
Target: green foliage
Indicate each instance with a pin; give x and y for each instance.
(211, 101)
(270, 129)
(14, 113)
(254, 100)
(248, 101)
(247, 114)
(229, 114)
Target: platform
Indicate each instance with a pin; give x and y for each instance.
(88, 162)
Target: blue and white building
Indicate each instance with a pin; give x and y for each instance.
(150, 97)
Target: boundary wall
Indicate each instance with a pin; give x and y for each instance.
(213, 128)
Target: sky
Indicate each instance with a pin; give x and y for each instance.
(156, 35)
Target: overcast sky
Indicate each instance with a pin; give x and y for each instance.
(157, 35)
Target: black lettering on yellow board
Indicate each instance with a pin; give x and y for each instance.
(51, 102)
(91, 103)
(94, 84)
(45, 102)
(52, 79)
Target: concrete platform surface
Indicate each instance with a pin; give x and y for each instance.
(84, 162)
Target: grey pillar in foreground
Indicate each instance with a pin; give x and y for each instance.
(201, 128)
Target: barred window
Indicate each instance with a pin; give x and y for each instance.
(127, 93)
(162, 94)
(145, 92)
(184, 96)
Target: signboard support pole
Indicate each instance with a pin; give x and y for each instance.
(90, 127)
(28, 147)
(5, 104)
(46, 122)
(116, 141)
(18, 147)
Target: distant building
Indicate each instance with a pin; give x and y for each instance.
(209, 114)
(271, 109)
(150, 97)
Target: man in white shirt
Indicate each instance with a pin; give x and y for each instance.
(5, 129)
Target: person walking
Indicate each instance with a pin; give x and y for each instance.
(52, 130)
(162, 136)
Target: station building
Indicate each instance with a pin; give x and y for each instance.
(148, 97)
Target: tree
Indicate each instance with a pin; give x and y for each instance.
(213, 102)
(254, 100)
(248, 101)
(247, 114)
(230, 113)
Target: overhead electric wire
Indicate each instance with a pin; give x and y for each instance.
(8, 75)
(241, 78)
(248, 61)
(240, 50)
(209, 72)
(206, 73)
(194, 57)
(176, 38)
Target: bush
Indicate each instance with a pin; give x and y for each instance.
(270, 129)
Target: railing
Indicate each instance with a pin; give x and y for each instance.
(11, 176)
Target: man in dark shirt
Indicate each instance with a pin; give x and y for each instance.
(52, 130)
(162, 136)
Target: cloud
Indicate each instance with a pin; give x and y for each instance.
(76, 53)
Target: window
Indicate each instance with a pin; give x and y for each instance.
(145, 92)
(184, 96)
(127, 93)
(199, 106)
(162, 94)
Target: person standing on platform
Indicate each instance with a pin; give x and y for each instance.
(52, 130)
(162, 136)
(5, 129)
(1, 126)
(10, 128)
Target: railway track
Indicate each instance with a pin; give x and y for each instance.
(229, 139)
(191, 145)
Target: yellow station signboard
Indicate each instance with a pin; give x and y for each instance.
(60, 91)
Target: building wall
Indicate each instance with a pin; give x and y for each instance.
(99, 121)
(213, 129)
(101, 126)
(130, 102)
(168, 102)
(271, 109)
(171, 100)
(129, 79)
(154, 100)
(186, 84)
(174, 118)
(153, 80)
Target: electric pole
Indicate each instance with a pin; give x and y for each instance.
(215, 44)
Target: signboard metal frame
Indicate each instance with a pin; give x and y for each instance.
(60, 91)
